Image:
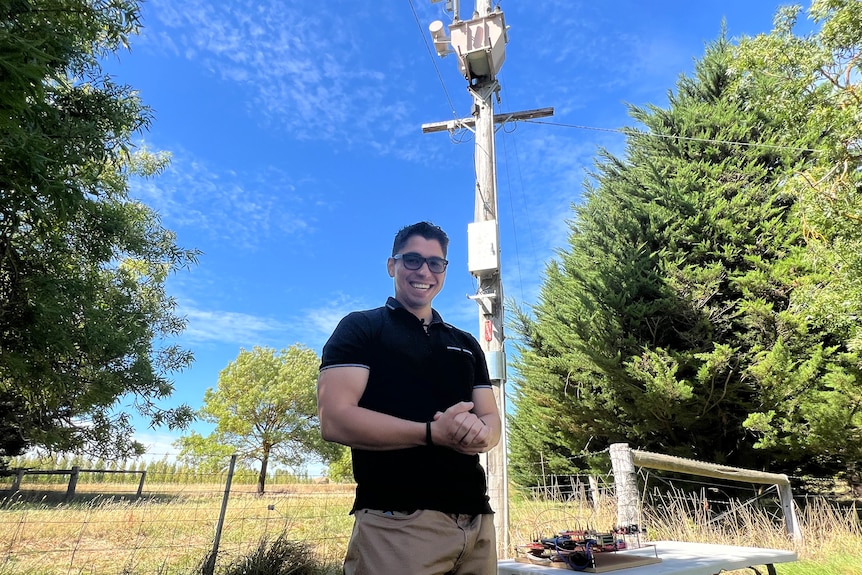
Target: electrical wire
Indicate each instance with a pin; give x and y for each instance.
(433, 61)
(512, 206)
(635, 132)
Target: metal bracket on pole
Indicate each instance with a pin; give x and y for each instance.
(482, 90)
(453, 6)
(486, 302)
(470, 123)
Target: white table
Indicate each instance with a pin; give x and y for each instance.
(677, 558)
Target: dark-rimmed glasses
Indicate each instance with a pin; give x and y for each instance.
(414, 261)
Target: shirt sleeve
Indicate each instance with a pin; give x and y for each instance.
(350, 343)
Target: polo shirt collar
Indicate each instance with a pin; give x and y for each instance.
(393, 304)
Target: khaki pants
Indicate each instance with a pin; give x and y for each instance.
(421, 543)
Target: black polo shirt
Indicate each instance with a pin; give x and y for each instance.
(412, 375)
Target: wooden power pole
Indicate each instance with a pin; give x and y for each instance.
(480, 47)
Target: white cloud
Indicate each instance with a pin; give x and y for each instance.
(302, 65)
(316, 324)
(310, 326)
(230, 327)
(242, 210)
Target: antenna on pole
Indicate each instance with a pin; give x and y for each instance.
(453, 6)
(480, 47)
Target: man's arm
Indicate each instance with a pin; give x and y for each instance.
(339, 390)
(471, 427)
(467, 427)
(485, 408)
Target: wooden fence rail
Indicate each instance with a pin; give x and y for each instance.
(73, 478)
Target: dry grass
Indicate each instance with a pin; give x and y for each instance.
(831, 543)
(826, 529)
(171, 530)
(530, 517)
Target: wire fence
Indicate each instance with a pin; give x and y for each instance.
(171, 525)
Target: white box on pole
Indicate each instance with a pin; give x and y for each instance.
(483, 254)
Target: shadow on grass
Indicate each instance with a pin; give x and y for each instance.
(56, 498)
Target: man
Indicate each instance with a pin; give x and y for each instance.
(411, 396)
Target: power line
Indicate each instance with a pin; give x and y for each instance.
(431, 55)
(515, 154)
(635, 132)
(624, 131)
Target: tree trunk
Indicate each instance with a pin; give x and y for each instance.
(854, 480)
(261, 479)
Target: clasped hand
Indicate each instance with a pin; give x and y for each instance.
(460, 429)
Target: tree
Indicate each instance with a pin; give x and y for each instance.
(811, 405)
(678, 275)
(708, 304)
(264, 408)
(82, 266)
(340, 467)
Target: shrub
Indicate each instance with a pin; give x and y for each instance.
(278, 557)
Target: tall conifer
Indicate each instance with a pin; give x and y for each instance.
(674, 278)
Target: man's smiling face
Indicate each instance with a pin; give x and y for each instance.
(415, 289)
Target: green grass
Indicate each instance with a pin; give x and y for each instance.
(834, 565)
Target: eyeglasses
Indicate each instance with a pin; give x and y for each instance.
(413, 261)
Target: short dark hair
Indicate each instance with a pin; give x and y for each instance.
(425, 229)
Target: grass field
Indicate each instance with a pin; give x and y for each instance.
(171, 530)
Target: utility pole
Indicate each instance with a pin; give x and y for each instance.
(480, 47)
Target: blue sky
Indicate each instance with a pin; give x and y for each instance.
(297, 148)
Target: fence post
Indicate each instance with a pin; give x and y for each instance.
(625, 482)
(141, 483)
(209, 566)
(785, 496)
(594, 492)
(73, 482)
(19, 476)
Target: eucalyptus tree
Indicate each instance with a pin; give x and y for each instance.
(264, 409)
(83, 306)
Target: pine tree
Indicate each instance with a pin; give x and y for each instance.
(678, 272)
